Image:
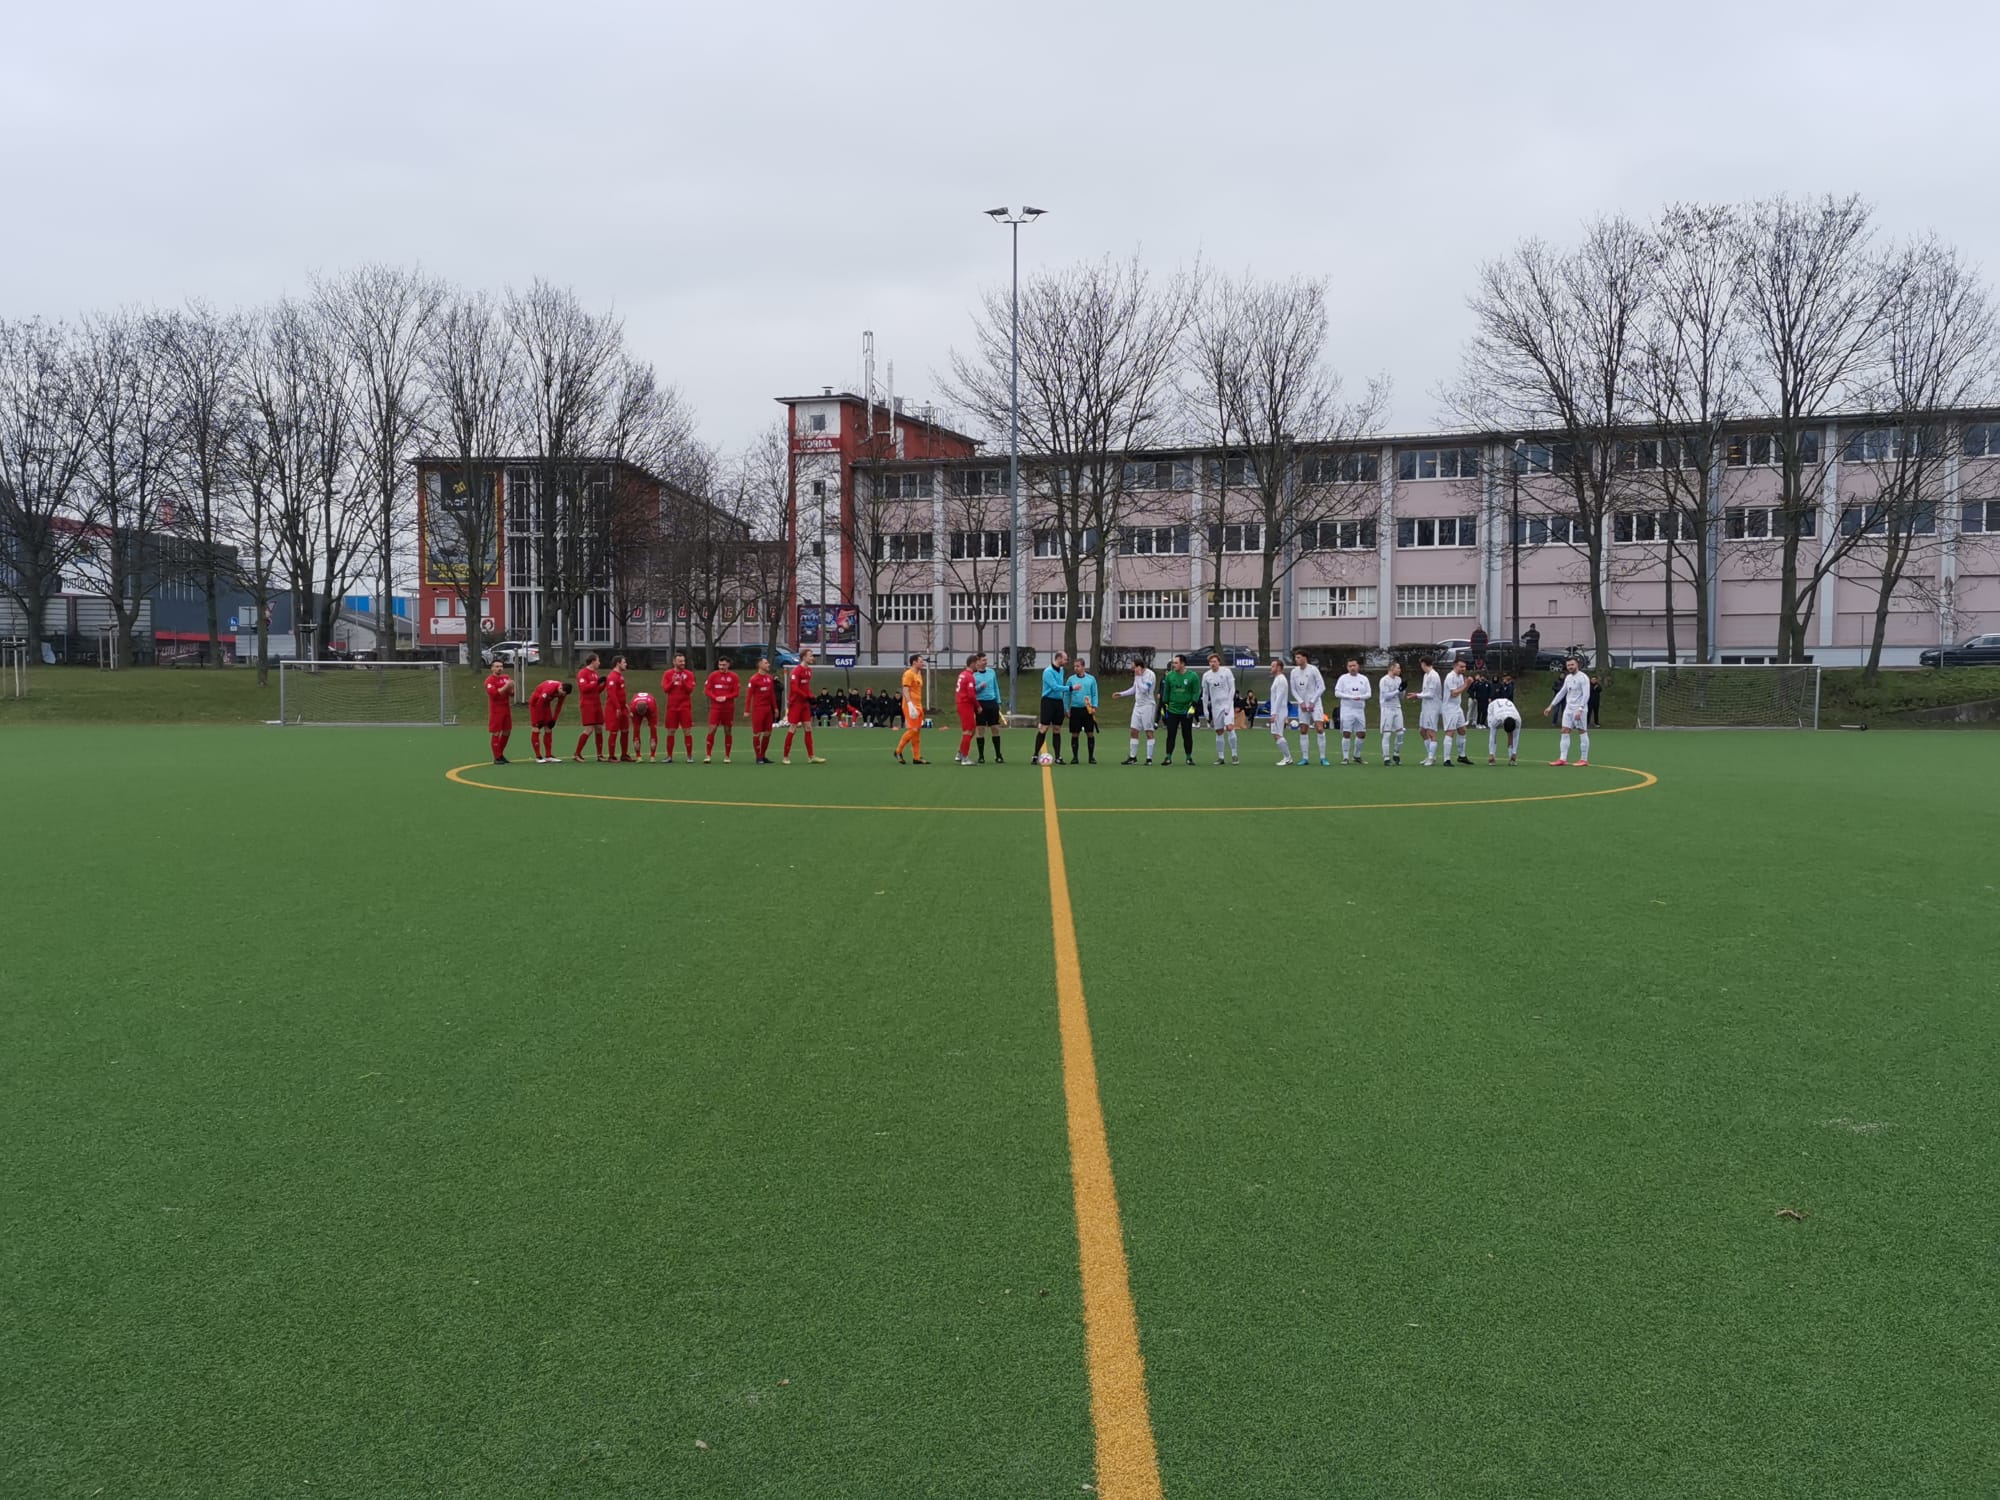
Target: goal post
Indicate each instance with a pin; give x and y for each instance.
(1691, 696)
(357, 693)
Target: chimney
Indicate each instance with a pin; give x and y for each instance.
(826, 390)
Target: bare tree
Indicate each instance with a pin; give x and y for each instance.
(127, 434)
(1260, 373)
(470, 376)
(1939, 354)
(1098, 348)
(202, 352)
(385, 317)
(1687, 384)
(570, 363)
(1555, 337)
(764, 487)
(46, 506)
(976, 542)
(1814, 295)
(249, 518)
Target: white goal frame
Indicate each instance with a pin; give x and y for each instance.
(1807, 716)
(290, 699)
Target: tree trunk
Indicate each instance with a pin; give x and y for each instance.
(1265, 606)
(1600, 619)
(214, 657)
(1667, 559)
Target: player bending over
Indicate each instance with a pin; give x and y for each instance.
(1455, 684)
(617, 712)
(799, 706)
(1573, 693)
(1389, 701)
(1180, 696)
(1049, 718)
(677, 687)
(1429, 709)
(1502, 717)
(1145, 695)
(1281, 705)
(545, 705)
(499, 711)
(1218, 699)
(1352, 691)
(590, 690)
(722, 689)
(646, 711)
(763, 710)
(1309, 703)
(913, 713)
(966, 700)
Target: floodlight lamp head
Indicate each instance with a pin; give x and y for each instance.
(998, 215)
(1029, 215)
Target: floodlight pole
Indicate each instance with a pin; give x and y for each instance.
(1514, 536)
(1014, 221)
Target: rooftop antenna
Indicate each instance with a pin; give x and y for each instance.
(895, 427)
(868, 380)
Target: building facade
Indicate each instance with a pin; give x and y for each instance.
(1423, 538)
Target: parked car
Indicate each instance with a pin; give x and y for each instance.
(1975, 651)
(514, 653)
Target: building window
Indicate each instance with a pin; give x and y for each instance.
(1982, 440)
(1342, 468)
(1653, 526)
(904, 609)
(1875, 520)
(970, 609)
(972, 482)
(1438, 463)
(1247, 536)
(977, 544)
(819, 489)
(1434, 601)
(1233, 473)
(1762, 450)
(1237, 604)
(1656, 453)
(1338, 536)
(912, 486)
(1886, 444)
(520, 499)
(816, 422)
(1152, 541)
(1153, 604)
(1159, 474)
(1758, 522)
(1337, 603)
(1053, 604)
(1438, 531)
(1544, 531)
(905, 547)
(1980, 516)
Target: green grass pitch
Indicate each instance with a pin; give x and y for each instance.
(366, 1134)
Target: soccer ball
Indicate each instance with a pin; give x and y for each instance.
(1045, 759)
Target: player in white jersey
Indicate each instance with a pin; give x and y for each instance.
(1389, 702)
(1429, 708)
(1281, 712)
(1453, 712)
(1145, 695)
(1352, 691)
(1502, 717)
(1309, 703)
(1218, 702)
(1573, 694)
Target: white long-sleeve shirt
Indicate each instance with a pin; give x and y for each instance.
(1432, 691)
(1573, 691)
(1390, 691)
(1281, 699)
(1454, 687)
(1218, 689)
(1308, 686)
(1352, 687)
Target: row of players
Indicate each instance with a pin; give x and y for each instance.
(1069, 697)
(1297, 706)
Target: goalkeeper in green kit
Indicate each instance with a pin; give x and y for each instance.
(1180, 693)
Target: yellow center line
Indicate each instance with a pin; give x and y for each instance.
(1128, 1468)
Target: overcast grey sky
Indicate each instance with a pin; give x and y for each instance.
(753, 185)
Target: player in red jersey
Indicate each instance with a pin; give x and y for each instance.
(968, 705)
(646, 711)
(799, 706)
(499, 711)
(545, 705)
(677, 684)
(763, 696)
(590, 687)
(722, 690)
(617, 712)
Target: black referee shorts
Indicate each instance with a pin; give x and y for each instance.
(1082, 721)
(989, 713)
(1052, 713)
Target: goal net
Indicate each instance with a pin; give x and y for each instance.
(364, 692)
(1706, 697)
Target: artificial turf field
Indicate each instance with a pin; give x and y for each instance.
(366, 1133)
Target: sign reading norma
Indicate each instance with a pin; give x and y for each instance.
(461, 527)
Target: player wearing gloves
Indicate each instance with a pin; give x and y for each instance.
(1180, 697)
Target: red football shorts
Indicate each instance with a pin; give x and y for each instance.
(720, 714)
(498, 719)
(680, 716)
(968, 718)
(593, 713)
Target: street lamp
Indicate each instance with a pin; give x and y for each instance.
(1014, 221)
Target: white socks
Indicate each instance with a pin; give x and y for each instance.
(1134, 750)
(1583, 745)
(1562, 753)
(1232, 742)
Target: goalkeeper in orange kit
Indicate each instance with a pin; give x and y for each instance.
(913, 714)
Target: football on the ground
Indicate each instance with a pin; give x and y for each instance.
(1045, 759)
